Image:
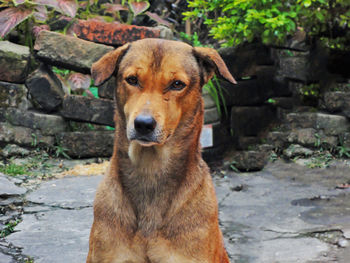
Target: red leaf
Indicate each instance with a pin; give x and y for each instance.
(78, 81)
(68, 7)
(158, 19)
(139, 7)
(112, 8)
(11, 17)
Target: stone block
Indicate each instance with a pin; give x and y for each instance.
(47, 124)
(211, 115)
(337, 102)
(242, 61)
(115, 34)
(297, 150)
(249, 160)
(80, 108)
(310, 137)
(330, 124)
(296, 67)
(68, 52)
(14, 62)
(45, 89)
(24, 136)
(208, 100)
(244, 93)
(13, 95)
(283, 102)
(278, 139)
(87, 144)
(106, 91)
(250, 121)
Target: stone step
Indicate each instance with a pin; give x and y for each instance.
(330, 124)
(87, 144)
(337, 101)
(68, 52)
(14, 62)
(80, 108)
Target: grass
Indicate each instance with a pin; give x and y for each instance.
(14, 169)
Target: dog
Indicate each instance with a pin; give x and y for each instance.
(157, 202)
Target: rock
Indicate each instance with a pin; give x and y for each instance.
(249, 160)
(345, 140)
(278, 139)
(47, 124)
(99, 111)
(112, 33)
(87, 144)
(208, 100)
(328, 123)
(106, 91)
(23, 136)
(14, 150)
(295, 67)
(45, 89)
(14, 62)
(332, 124)
(68, 52)
(297, 150)
(5, 258)
(13, 95)
(211, 115)
(8, 188)
(68, 192)
(312, 138)
(47, 236)
(249, 121)
(338, 102)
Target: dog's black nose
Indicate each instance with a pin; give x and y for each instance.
(144, 124)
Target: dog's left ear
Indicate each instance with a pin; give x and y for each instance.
(212, 63)
(104, 68)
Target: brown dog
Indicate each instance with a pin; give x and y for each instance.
(157, 202)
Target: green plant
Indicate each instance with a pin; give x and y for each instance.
(322, 160)
(13, 169)
(61, 151)
(9, 228)
(233, 167)
(343, 151)
(272, 21)
(216, 93)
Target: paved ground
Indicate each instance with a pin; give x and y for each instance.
(285, 213)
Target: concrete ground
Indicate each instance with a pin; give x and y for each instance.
(285, 213)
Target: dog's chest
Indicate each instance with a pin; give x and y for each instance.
(150, 198)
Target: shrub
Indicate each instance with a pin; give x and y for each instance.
(272, 21)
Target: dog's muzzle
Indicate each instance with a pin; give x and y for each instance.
(144, 130)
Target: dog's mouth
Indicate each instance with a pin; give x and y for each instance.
(145, 140)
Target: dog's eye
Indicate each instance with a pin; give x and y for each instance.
(177, 85)
(133, 81)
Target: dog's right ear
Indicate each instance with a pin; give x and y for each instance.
(104, 68)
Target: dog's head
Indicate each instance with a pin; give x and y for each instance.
(158, 82)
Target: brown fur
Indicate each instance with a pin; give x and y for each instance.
(157, 202)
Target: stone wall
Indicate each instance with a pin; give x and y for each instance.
(267, 109)
(37, 110)
(286, 97)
